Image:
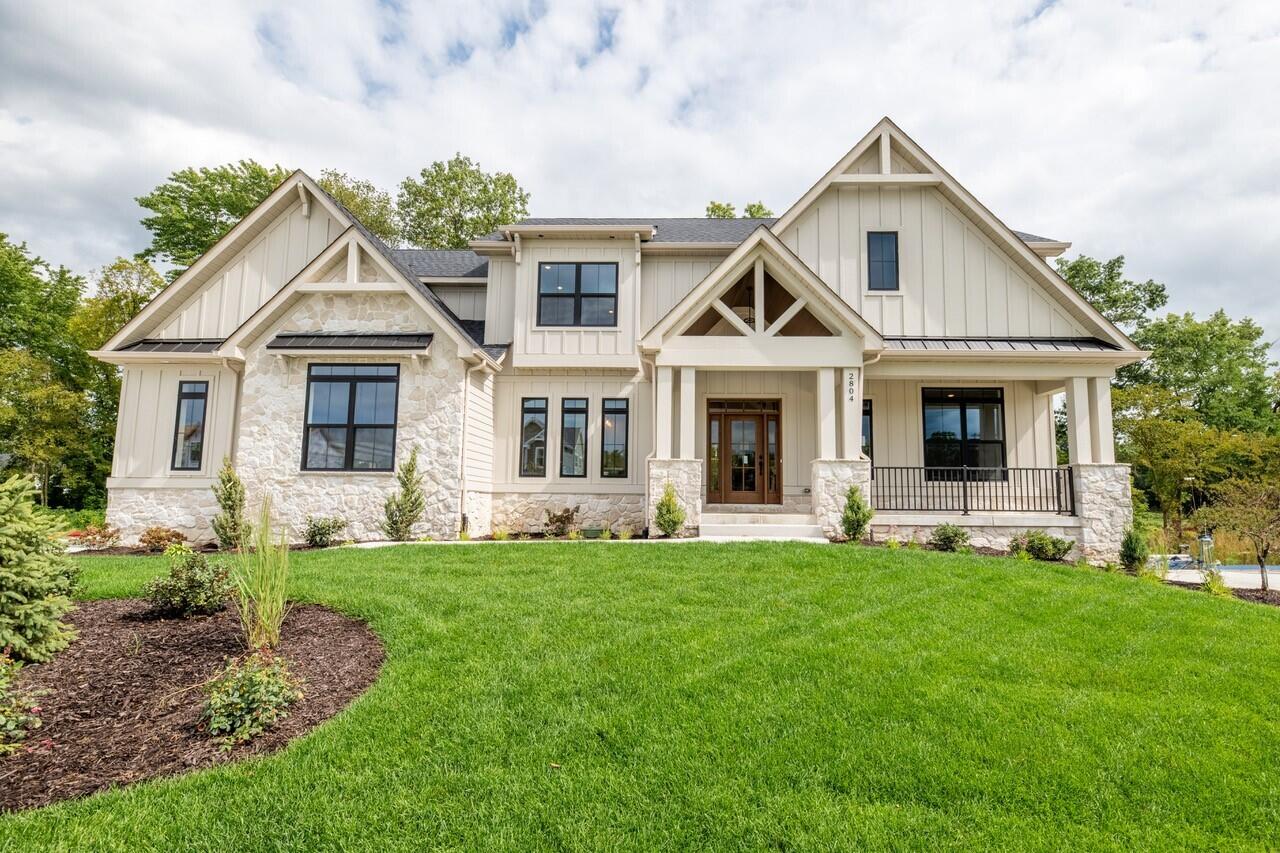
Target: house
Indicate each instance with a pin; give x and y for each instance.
(886, 332)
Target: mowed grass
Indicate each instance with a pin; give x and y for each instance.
(590, 696)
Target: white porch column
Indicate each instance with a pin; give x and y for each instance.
(662, 413)
(851, 413)
(826, 398)
(687, 407)
(1079, 430)
(1101, 436)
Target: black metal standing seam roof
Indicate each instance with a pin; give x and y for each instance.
(351, 340)
(999, 344)
(173, 345)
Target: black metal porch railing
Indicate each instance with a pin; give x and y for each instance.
(965, 490)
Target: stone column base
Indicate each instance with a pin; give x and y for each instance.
(685, 475)
(1104, 504)
(830, 481)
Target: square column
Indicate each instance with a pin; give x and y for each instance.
(826, 398)
(688, 405)
(1079, 429)
(851, 413)
(1101, 436)
(662, 411)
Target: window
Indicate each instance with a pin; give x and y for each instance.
(964, 427)
(351, 417)
(577, 294)
(573, 437)
(188, 432)
(882, 260)
(533, 437)
(867, 444)
(613, 439)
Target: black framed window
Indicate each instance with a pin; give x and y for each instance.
(867, 442)
(613, 438)
(964, 427)
(882, 260)
(188, 430)
(533, 437)
(577, 294)
(351, 417)
(573, 437)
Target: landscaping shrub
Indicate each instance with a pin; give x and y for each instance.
(1040, 546)
(949, 537)
(19, 713)
(856, 516)
(321, 532)
(560, 523)
(1133, 550)
(260, 579)
(229, 525)
(1215, 584)
(500, 534)
(159, 538)
(405, 507)
(248, 697)
(36, 579)
(606, 533)
(74, 519)
(98, 536)
(624, 532)
(574, 535)
(669, 515)
(193, 587)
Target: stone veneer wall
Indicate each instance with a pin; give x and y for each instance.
(982, 533)
(1104, 503)
(269, 449)
(526, 512)
(190, 511)
(686, 476)
(830, 482)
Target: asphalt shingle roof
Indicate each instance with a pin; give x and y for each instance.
(443, 263)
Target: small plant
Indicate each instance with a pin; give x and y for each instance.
(606, 533)
(260, 578)
(948, 537)
(625, 533)
(500, 534)
(158, 538)
(892, 543)
(574, 535)
(19, 712)
(524, 536)
(856, 516)
(913, 544)
(1039, 545)
(1155, 571)
(96, 536)
(1215, 584)
(248, 697)
(229, 524)
(1111, 568)
(669, 515)
(36, 579)
(464, 536)
(347, 543)
(320, 532)
(193, 587)
(1021, 554)
(405, 507)
(560, 523)
(1133, 551)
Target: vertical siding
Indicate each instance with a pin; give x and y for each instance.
(665, 281)
(480, 437)
(465, 300)
(499, 306)
(147, 419)
(534, 345)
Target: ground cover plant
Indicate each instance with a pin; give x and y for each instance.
(752, 695)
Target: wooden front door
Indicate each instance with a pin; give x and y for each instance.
(743, 456)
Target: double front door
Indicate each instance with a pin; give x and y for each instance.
(744, 452)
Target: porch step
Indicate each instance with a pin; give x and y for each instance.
(760, 525)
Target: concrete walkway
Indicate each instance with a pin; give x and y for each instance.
(1236, 578)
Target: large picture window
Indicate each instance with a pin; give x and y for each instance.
(188, 434)
(577, 294)
(351, 417)
(613, 439)
(533, 437)
(573, 437)
(964, 427)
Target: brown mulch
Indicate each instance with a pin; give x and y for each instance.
(123, 701)
(1257, 596)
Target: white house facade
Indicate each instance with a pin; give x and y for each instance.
(886, 332)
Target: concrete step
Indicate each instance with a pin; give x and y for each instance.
(760, 531)
(747, 517)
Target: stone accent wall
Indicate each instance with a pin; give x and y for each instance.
(830, 483)
(479, 510)
(686, 476)
(1104, 504)
(189, 511)
(982, 533)
(526, 512)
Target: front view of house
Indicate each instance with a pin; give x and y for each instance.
(886, 332)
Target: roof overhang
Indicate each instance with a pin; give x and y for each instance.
(612, 231)
(127, 357)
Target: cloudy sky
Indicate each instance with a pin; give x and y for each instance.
(1145, 128)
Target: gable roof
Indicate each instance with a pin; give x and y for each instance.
(444, 263)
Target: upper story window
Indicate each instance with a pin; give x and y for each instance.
(533, 437)
(577, 294)
(188, 434)
(351, 417)
(882, 260)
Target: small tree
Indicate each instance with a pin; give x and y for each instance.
(229, 524)
(1251, 509)
(856, 516)
(1133, 550)
(405, 507)
(36, 580)
(668, 514)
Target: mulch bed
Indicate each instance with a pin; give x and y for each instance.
(123, 701)
(1257, 596)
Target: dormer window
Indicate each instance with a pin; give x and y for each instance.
(577, 294)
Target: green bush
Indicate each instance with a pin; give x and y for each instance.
(321, 532)
(1215, 584)
(98, 536)
(74, 519)
(949, 537)
(229, 524)
(856, 516)
(19, 713)
(193, 587)
(260, 579)
(1133, 551)
(405, 507)
(36, 579)
(248, 697)
(1040, 546)
(668, 514)
(158, 538)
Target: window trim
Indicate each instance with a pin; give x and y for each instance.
(204, 425)
(897, 260)
(963, 402)
(546, 435)
(585, 411)
(577, 296)
(868, 432)
(626, 436)
(351, 425)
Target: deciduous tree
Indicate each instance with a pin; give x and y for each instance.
(372, 206)
(451, 203)
(720, 210)
(1125, 302)
(1249, 508)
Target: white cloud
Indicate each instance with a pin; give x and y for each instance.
(1144, 128)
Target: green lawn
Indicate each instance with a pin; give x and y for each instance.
(759, 696)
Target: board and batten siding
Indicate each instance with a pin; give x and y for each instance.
(253, 275)
(148, 420)
(479, 459)
(665, 281)
(467, 301)
(500, 301)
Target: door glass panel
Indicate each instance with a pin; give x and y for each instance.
(743, 446)
(713, 456)
(771, 458)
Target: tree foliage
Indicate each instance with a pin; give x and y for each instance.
(371, 205)
(36, 580)
(121, 289)
(229, 524)
(404, 508)
(36, 304)
(451, 203)
(1249, 508)
(756, 210)
(1125, 302)
(42, 421)
(720, 210)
